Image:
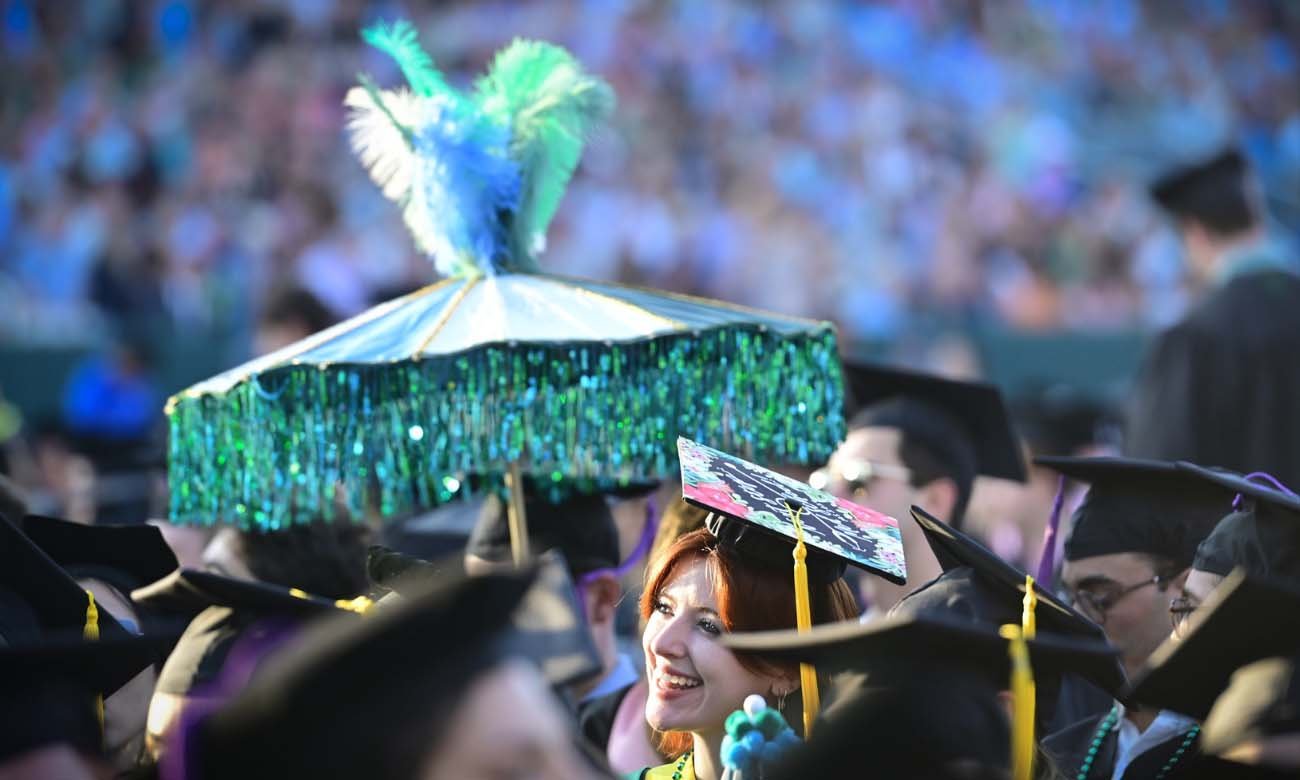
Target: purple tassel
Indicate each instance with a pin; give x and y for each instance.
(1265, 476)
(1047, 558)
(642, 547)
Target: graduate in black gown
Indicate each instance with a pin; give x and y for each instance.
(1127, 556)
(1220, 388)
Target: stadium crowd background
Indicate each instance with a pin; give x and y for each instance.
(907, 169)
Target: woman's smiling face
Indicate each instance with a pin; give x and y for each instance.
(695, 682)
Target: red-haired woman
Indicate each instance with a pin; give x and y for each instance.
(698, 589)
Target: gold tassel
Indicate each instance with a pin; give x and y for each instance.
(1023, 700)
(1028, 620)
(91, 631)
(803, 620)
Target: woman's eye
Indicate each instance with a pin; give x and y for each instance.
(663, 608)
(710, 627)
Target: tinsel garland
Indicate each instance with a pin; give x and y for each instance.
(300, 442)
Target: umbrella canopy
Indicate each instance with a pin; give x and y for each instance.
(575, 384)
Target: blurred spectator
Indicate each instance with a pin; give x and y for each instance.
(291, 314)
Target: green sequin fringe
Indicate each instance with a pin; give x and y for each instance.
(304, 443)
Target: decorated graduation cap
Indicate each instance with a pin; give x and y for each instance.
(1260, 529)
(773, 520)
(124, 556)
(400, 673)
(548, 627)
(1245, 619)
(224, 609)
(963, 423)
(1139, 506)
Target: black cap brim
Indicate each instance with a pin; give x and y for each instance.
(139, 552)
(189, 591)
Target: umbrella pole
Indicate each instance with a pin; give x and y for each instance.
(515, 515)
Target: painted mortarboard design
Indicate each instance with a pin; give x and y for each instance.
(753, 507)
(1244, 620)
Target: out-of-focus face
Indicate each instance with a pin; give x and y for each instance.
(695, 682)
(1197, 588)
(1135, 613)
(867, 470)
(508, 725)
(223, 555)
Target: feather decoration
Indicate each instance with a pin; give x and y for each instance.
(380, 132)
(551, 105)
(400, 41)
(464, 188)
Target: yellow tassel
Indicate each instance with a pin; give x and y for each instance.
(360, 605)
(1023, 702)
(91, 631)
(803, 620)
(1028, 620)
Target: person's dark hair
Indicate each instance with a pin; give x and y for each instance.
(1164, 567)
(296, 306)
(1214, 193)
(324, 559)
(926, 467)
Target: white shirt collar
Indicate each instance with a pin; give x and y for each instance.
(1132, 743)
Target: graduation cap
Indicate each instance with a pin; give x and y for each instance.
(996, 589)
(548, 627)
(965, 424)
(580, 526)
(1139, 506)
(928, 657)
(125, 556)
(1244, 620)
(1200, 189)
(359, 698)
(223, 609)
(1261, 701)
(1260, 530)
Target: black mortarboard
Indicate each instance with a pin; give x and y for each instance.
(1139, 506)
(581, 527)
(963, 423)
(1198, 189)
(1261, 535)
(1243, 620)
(224, 608)
(1262, 700)
(752, 509)
(400, 673)
(548, 627)
(125, 556)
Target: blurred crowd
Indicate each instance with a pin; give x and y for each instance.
(899, 168)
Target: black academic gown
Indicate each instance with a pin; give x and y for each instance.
(596, 717)
(1069, 747)
(1222, 387)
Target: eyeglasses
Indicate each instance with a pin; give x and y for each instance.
(1096, 601)
(1180, 609)
(853, 478)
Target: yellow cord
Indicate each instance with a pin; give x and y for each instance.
(360, 605)
(1028, 620)
(803, 620)
(91, 631)
(1023, 700)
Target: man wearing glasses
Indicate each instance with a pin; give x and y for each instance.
(917, 440)
(1130, 546)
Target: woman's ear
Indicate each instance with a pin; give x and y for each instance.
(785, 684)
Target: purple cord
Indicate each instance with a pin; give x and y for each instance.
(1047, 558)
(642, 548)
(1263, 475)
(179, 762)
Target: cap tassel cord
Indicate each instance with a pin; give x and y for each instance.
(1023, 699)
(1047, 557)
(1265, 477)
(803, 620)
(91, 631)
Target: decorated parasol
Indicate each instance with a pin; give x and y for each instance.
(499, 372)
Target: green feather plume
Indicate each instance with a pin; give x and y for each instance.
(401, 42)
(551, 106)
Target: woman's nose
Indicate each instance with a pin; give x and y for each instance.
(668, 639)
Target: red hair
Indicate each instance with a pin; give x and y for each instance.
(750, 598)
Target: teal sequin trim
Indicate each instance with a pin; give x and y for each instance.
(299, 443)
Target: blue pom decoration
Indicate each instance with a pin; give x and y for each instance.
(770, 723)
(465, 181)
(737, 755)
(754, 740)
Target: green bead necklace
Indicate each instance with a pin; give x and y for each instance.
(681, 763)
(1107, 724)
